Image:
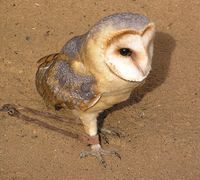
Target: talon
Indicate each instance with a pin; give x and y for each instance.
(103, 163)
(103, 138)
(112, 131)
(98, 152)
(83, 154)
(117, 154)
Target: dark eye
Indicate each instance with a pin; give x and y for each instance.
(125, 52)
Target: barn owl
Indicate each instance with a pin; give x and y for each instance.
(98, 69)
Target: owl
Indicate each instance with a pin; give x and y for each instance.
(98, 69)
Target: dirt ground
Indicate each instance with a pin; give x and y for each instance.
(160, 121)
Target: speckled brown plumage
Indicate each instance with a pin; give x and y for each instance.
(61, 86)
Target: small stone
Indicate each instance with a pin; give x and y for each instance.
(141, 115)
(47, 33)
(36, 4)
(169, 25)
(28, 38)
(34, 137)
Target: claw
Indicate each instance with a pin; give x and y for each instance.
(98, 152)
(103, 138)
(112, 131)
(103, 132)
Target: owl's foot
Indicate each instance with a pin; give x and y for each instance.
(98, 152)
(112, 132)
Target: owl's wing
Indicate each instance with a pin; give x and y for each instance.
(73, 46)
(60, 85)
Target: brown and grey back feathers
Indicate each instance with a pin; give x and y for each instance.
(60, 85)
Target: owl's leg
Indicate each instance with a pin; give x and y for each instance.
(90, 125)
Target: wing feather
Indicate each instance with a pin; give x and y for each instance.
(59, 84)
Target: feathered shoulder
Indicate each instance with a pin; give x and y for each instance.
(62, 83)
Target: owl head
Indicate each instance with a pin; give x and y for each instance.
(121, 44)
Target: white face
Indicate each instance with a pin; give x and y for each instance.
(130, 55)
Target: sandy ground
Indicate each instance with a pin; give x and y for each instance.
(161, 120)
